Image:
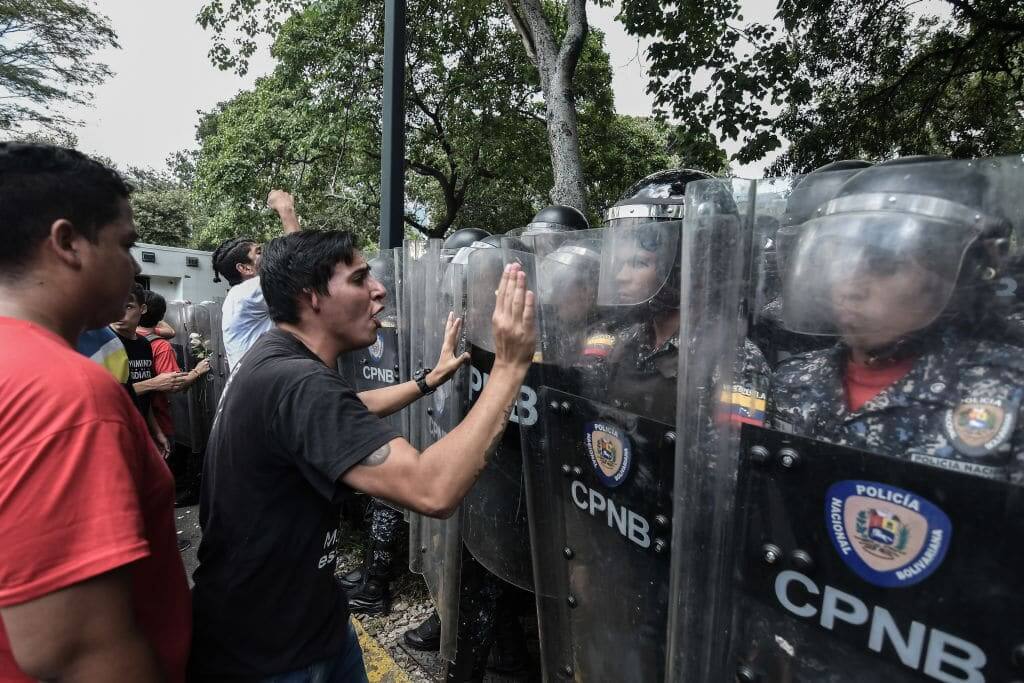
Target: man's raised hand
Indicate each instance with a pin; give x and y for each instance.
(515, 338)
(448, 362)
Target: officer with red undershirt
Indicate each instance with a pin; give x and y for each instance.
(900, 265)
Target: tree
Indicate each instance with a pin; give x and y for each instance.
(47, 50)
(556, 62)
(476, 141)
(842, 78)
(162, 206)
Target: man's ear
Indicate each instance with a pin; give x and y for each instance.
(65, 242)
(315, 300)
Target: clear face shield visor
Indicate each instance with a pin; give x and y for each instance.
(637, 262)
(875, 267)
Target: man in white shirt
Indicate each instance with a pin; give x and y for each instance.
(245, 317)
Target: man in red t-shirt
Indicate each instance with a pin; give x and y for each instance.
(92, 587)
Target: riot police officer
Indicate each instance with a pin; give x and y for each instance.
(472, 608)
(603, 485)
(570, 281)
(869, 531)
(894, 265)
(496, 567)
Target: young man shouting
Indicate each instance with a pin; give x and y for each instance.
(291, 437)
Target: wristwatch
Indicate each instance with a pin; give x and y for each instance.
(420, 377)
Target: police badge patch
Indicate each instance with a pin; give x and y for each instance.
(888, 536)
(610, 451)
(979, 425)
(376, 351)
(441, 398)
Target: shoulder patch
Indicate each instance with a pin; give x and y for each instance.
(980, 424)
(743, 404)
(599, 345)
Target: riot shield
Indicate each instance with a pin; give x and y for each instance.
(494, 512)
(866, 526)
(206, 392)
(434, 287)
(600, 456)
(409, 282)
(198, 336)
(187, 430)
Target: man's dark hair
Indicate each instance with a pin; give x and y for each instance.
(138, 293)
(230, 254)
(156, 308)
(40, 184)
(297, 262)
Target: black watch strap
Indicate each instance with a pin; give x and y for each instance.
(421, 381)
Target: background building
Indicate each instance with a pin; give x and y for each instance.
(178, 274)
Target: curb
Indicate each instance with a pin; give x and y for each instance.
(380, 667)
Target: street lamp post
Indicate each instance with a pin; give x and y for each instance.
(392, 157)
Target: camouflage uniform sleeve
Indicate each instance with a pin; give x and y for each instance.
(783, 400)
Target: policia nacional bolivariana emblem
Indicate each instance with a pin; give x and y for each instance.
(978, 426)
(376, 351)
(888, 536)
(610, 451)
(441, 398)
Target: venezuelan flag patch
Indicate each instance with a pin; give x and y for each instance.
(599, 345)
(743, 405)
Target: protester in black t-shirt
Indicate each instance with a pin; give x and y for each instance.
(290, 437)
(140, 363)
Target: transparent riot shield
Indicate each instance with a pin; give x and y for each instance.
(410, 333)
(206, 317)
(217, 378)
(600, 457)
(184, 407)
(866, 527)
(435, 288)
(494, 512)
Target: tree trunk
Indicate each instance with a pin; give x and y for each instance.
(557, 67)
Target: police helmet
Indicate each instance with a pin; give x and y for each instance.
(556, 218)
(927, 221)
(660, 196)
(464, 237)
(570, 272)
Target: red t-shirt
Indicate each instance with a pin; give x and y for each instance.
(83, 491)
(864, 383)
(164, 360)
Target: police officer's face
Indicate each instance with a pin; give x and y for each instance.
(882, 302)
(576, 301)
(637, 278)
